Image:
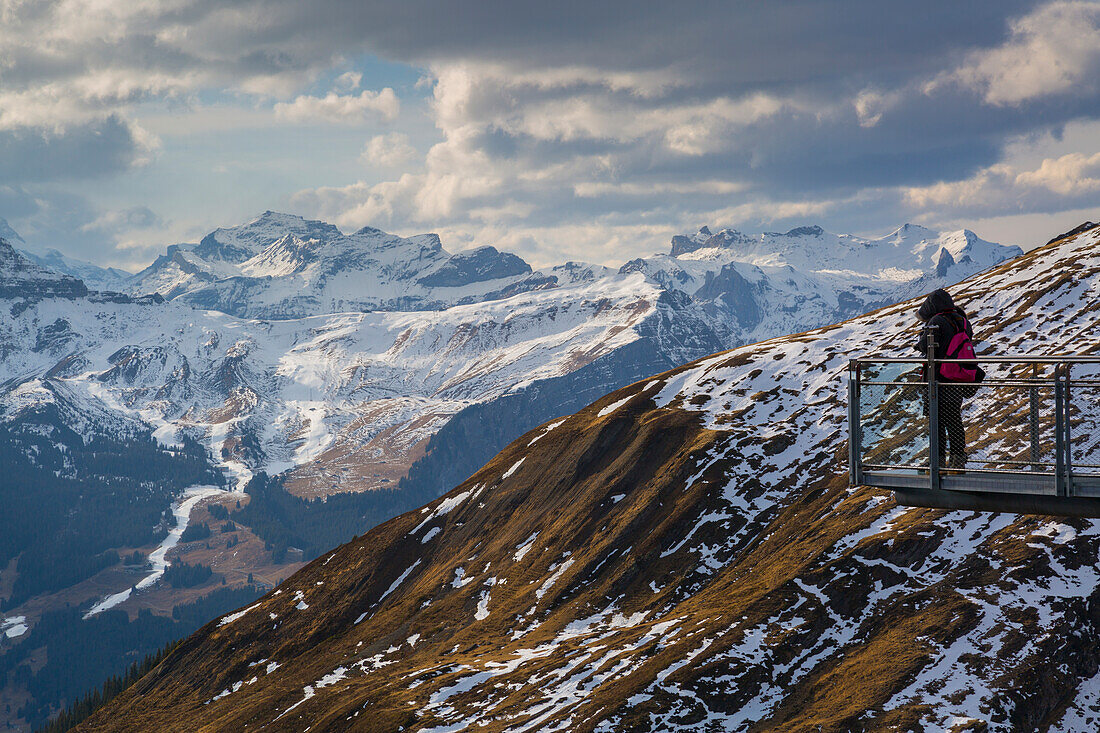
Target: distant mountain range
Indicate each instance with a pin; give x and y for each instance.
(288, 345)
(686, 554)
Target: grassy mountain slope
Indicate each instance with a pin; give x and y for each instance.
(686, 554)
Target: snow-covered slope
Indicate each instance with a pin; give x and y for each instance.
(686, 554)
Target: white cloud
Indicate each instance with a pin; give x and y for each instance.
(1069, 175)
(872, 104)
(575, 104)
(348, 81)
(342, 109)
(82, 98)
(1057, 184)
(389, 151)
(1054, 50)
(136, 217)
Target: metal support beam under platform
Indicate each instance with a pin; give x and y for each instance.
(980, 501)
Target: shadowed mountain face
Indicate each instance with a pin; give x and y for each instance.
(685, 554)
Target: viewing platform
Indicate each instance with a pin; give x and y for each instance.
(1032, 434)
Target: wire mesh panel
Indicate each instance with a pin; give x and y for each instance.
(893, 417)
(1083, 401)
(999, 425)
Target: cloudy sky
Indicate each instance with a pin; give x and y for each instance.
(582, 130)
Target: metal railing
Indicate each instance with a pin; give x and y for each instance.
(1032, 426)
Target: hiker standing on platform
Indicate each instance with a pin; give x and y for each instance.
(947, 324)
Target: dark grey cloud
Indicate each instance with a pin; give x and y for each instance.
(729, 46)
(740, 42)
(33, 154)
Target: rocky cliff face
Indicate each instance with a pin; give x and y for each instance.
(686, 554)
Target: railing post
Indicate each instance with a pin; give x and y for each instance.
(855, 432)
(1059, 433)
(1033, 399)
(933, 413)
(1068, 440)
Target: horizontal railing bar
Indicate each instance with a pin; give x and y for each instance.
(986, 360)
(1012, 463)
(1040, 464)
(983, 383)
(874, 466)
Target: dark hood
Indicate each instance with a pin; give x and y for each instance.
(937, 301)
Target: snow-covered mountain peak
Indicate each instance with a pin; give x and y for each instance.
(15, 265)
(282, 266)
(474, 266)
(941, 250)
(807, 231)
(705, 240)
(391, 247)
(237, 244)
(94, 276)
(801, 247)
(6, 232)
(580, 272)
(909, 233)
